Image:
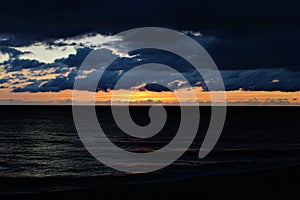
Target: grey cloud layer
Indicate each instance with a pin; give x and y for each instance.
(255, 79)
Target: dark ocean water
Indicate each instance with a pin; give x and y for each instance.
(41, 142)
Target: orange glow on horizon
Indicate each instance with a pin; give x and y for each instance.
(236, 97)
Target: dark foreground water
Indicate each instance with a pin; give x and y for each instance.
(41, 143)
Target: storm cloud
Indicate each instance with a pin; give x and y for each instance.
(279, 79)
(255, 45)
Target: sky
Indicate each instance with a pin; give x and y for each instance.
(254, 44)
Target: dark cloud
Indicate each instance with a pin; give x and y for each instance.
(19, 64)
(238, 34)
(53, 85)
(155, 87)
(58, 18)
(255, 79)
(11, 52)
(262, 79)
(75, 59)
(248, 80)
(4, 80)
(280, 79)
(279, 49)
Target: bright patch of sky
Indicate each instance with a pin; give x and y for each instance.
(45, 53)
(62, 48)
(3, 57)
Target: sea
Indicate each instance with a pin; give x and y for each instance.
(41, 143)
